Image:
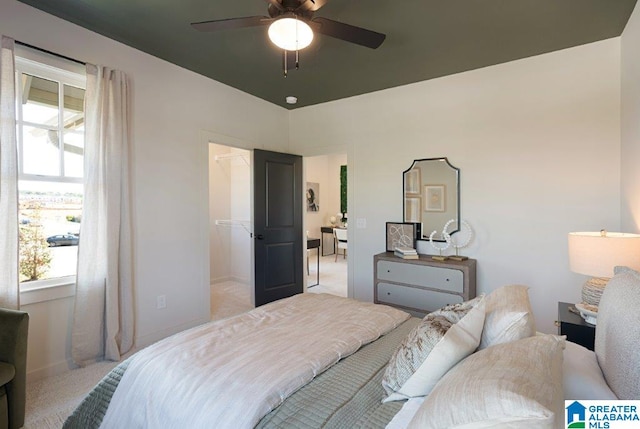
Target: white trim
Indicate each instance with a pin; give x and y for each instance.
(54, 179)
(55, 368)
(47, 290)
(38, 63)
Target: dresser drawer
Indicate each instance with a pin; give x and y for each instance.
(421, 275)
(411, 297)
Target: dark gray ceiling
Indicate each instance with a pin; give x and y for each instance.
(425, 39)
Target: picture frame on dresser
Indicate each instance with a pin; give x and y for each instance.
(401, 234)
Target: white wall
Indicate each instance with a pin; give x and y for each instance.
(240, 200)
(174, 113)
(325, 170)
(219, 208)
(316, 170)
(229, 200)
(537, 143)
(630, 124)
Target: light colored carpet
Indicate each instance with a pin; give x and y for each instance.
(333, 275)
(51, 400)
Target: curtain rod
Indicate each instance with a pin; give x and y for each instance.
(50, 53)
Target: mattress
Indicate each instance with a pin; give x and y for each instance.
(347, 395)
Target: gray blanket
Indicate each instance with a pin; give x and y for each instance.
(347, 395)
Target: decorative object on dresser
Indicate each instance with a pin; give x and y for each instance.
(456, 244)
(596, 254)
(574, 327)
(401, 234)
(406, 253)
(440, 247)
(459, 243)
(422, 285)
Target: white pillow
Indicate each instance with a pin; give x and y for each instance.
(582, 376)
(508, 316)
(438, 343)
(511, 385)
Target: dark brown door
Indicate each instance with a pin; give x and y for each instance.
(277, 220)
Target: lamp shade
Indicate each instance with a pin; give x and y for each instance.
(290, 34)
(597, 253)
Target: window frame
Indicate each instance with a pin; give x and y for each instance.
(64, 72)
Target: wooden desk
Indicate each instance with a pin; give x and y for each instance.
(314, 243)
(327, 230)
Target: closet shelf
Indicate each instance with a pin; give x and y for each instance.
(224, 156)
(231, 223)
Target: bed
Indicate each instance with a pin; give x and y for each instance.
(475, 364)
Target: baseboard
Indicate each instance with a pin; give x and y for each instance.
(51, 370)
(242, 280)
(216, 280)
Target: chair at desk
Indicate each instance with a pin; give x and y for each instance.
(340, 237)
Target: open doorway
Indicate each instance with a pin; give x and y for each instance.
(230, 242)
(325, 184)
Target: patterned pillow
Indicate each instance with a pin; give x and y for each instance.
(508, 316)
(438, 343)
(515, 385)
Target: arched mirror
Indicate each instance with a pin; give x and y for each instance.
(431, 189)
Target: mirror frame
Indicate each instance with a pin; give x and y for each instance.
(404, 214)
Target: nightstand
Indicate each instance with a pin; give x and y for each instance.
(574, 327)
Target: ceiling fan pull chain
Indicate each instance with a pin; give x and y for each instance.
(297, 58)
(284, 61)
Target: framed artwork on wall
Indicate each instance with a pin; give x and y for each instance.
(434, 198)
(313, 197)
(401, 234)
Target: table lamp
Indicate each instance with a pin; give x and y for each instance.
(596, 254)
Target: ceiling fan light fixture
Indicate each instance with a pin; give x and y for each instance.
(290, 34)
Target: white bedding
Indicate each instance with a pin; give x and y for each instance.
(230, 373)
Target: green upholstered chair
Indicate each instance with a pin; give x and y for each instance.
(14, 327)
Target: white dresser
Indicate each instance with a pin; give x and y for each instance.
(420, 286)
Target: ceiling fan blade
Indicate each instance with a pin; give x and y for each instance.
(276, 4)
(311, 5)
(349, 33)
(231, 23)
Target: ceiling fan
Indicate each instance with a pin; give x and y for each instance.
(292, 26)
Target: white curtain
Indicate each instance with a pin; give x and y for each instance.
(9, 284)
(103, 323)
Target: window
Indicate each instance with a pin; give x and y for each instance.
(50, 136)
